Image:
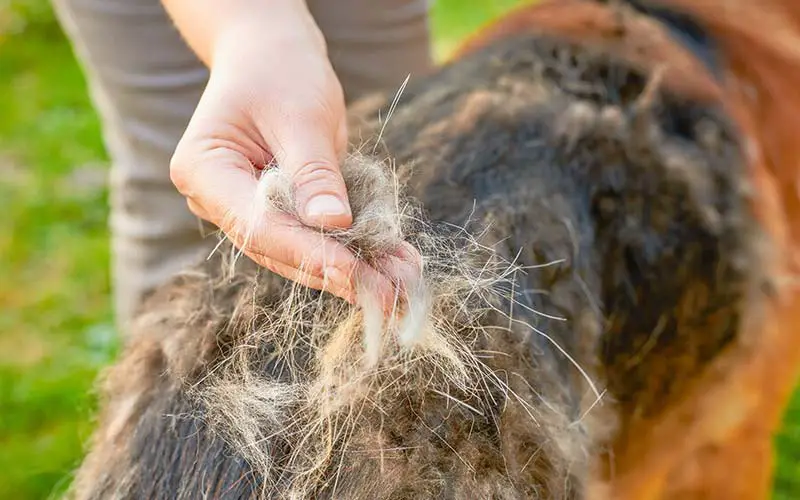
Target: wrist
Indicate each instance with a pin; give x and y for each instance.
(285, 27)
(214, 29)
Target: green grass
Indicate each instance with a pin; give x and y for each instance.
(55, 320)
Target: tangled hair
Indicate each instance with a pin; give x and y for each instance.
(589, 251)
(334, 389)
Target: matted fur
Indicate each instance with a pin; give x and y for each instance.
(585, 228)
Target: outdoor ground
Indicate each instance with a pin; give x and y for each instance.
(56, 328)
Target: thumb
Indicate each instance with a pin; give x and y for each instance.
(309, 155)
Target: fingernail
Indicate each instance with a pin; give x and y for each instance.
(325, 204)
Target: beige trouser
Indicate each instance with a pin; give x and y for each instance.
(145, 83)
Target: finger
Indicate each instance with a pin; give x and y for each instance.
(340, 280)
(308, 143)
(223, 190)
(405, 274)
(410, 255)
(341, 139)
(332, 278)
(299, 276)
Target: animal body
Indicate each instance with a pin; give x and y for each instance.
(606, 306)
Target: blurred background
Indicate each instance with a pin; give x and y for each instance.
(56, 328)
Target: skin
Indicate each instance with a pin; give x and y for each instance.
(272, 99)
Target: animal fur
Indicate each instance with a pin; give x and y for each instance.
(596, 269)
(758, 86)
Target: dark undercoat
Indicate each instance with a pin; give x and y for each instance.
(553, 150)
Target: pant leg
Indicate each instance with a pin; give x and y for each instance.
(374, 44)
(145, 83)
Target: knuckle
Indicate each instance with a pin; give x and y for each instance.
(309, 265)
(316, 171)
(179, 172)
(195, 209)
(273, 267)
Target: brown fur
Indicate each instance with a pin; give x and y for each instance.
(696, 453)
(552, 138)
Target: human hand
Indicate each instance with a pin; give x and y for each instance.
(273, 98)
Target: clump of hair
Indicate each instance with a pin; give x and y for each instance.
(376, 238)
(372, 189)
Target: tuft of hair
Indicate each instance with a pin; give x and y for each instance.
(376, 238)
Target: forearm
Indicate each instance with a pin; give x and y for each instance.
(208, 26)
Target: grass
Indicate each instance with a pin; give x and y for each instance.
(56, 327)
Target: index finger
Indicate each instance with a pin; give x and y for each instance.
(227, 192)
